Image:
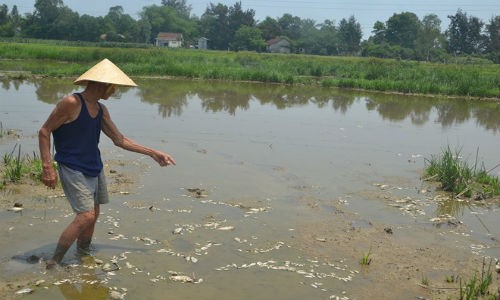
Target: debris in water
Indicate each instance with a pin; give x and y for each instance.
(24, 291)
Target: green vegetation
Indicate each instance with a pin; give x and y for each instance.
(424, 280)
(350, 72)
(478, 286)
(458, 177)
(404, 35)
(366, 260)
(16, 167)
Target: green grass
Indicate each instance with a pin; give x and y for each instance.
(366, 260)
(458, 177)
(478, 286)
(70, 59)
(16, 166)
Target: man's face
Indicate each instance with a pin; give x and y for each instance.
(109, 90)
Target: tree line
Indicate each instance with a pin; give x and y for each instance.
(402, 36)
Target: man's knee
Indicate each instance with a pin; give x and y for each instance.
(86, 217)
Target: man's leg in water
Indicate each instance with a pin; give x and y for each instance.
(85, 238)
(83, 222)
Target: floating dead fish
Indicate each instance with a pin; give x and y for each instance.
(61, 281)
(39, 282)
(191, 259)
(15, 209)
(226, 228)
(117, 295)
(177, 230)
(24, 291)
(109, 267)
(181, 278)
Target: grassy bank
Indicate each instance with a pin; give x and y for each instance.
(352, 72)
(457, 176)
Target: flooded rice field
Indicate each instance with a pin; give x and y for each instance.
(278, 193)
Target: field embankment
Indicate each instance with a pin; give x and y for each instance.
(467, 80)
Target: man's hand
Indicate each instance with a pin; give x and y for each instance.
(49, 177)
(163, 159)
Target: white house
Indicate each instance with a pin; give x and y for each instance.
(169, 39)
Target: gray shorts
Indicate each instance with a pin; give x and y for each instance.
(83, 192)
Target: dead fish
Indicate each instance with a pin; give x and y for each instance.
(109, 267)
(24, 291)
(39, 282)
(192, 259)
(15, 209)
(117, 295)
(226, 228)
(181, 278)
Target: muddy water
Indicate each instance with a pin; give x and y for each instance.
(275, 167)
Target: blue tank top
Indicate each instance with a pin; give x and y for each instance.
(76, 143)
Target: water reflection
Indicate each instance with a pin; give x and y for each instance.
(172, 97)
(88, 287)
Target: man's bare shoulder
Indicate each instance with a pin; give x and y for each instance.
(68, 107)
(69, 100)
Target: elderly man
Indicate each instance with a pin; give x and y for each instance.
(76, 123)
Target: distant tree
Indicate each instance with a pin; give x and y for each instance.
(403, 29)
(6, 26)
(270, 28)
(237, 18)
(16, 19)
(464, 34)
(309, 37)
(40, 24)
(290, 26)
(430, 37)
(349, 36)
(65, 26)
(493, 32)
(248, 38)
(119, 26)
(220, 23)
(144, 34)
(215, 26)
(379, 33)
(328, 38)
(90, 28)
(180, 6)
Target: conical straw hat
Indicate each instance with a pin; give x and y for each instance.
(106, 72)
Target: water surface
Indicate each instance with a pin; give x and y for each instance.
(271, 160)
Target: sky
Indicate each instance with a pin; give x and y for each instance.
(366, 12)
